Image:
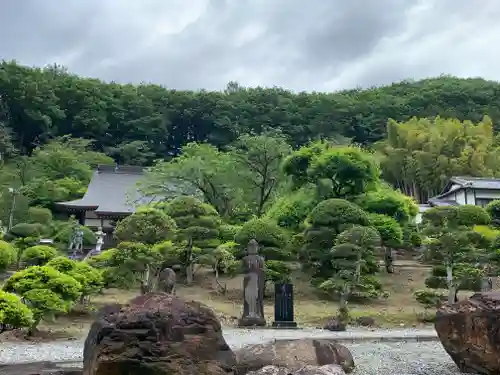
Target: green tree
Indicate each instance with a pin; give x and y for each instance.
(228, 232)
(140, 260)
(146, 225)
(90, 278)
(223, 260)
(386, 201)
(197, 229)
(291, 209)
(493, 209)
(344, 172)
(259, 158)
(39, 215)
(337, 171)
(200, 170)
(132, 153)
(38, 255)
(44, 290)
(272, 239)
(391, 235)
(457, 261)
(39, 104)
(325, 222)
(8, 254)
(113, 274)
(421, 154)
(352, 258)
(7, 148)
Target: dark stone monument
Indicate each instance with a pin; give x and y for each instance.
(283, 306)
(253, 287)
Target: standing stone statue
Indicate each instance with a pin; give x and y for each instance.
(100, 240)
(253, 287)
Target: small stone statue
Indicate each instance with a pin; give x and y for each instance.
(76, 240)
(100, 240)
(3, 229)
(166, 281)
(253, 287)
(487, 281)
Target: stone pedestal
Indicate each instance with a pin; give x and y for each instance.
(283, 306)
(248, 321)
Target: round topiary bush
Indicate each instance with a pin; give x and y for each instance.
(389, 229)
(38, 255)
(44, 290)
(13, 312)
(7, 255)
(197, 222)
(325, 222)
(470, 215)
(39, 215)
(148, 225)
(89, 277)
(27, 229)
(336, 213)
(493, 209)
(291, 210)
(272, 239)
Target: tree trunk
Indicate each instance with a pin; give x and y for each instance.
(223, 288)
(357, 275)
(148, 281)
(389, 267)
(33, 328)
(189, 262)
(452, 288)
(343, 310)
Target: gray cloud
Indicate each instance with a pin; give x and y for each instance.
(301, 45)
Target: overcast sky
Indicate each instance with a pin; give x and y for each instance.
(299, 44)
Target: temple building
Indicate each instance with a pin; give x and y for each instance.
(111, 195)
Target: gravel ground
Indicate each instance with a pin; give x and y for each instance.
(402, 358)
(372, 358)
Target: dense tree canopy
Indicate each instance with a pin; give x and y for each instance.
(420, 155)
(39, 104)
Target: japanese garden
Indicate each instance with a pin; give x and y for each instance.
(111, 193)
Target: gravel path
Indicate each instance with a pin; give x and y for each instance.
(372, 358)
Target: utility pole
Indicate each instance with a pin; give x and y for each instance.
(12, 207)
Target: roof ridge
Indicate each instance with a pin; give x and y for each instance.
(475, 178)
(132, 169)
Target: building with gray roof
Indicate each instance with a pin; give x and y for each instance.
(478, 191)
(112, 194)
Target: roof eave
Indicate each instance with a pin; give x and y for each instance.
(76, 206)
(111, 213)
(447, 193)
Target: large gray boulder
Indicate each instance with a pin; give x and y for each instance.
(294, 355)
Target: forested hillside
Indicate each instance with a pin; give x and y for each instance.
(136, 124)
